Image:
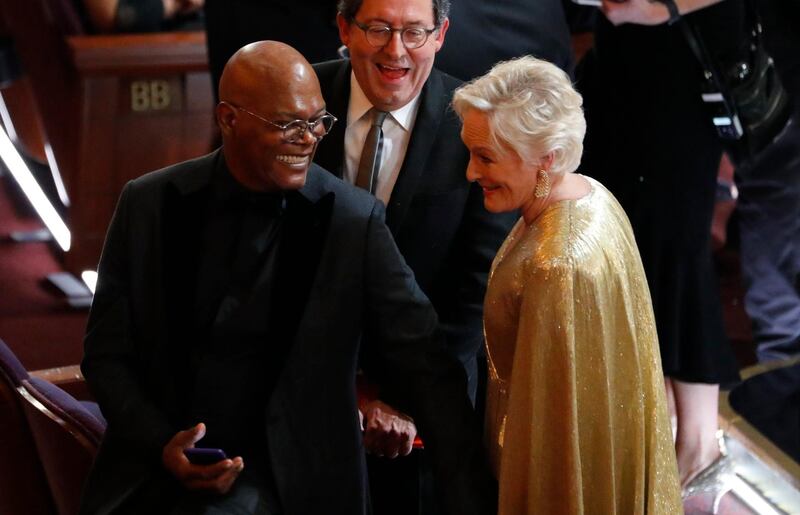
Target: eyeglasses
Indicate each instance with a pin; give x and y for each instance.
(380, 35)
(296, 129)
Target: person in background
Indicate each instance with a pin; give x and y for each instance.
(496, 31)
(651, 143)
(768, 206)
(143, 15)
(307, 25)
(575, 389)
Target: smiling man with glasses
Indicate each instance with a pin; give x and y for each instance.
(379, 35)
(398, 138)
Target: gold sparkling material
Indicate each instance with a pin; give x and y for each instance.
(576, 410)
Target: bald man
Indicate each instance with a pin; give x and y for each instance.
(232, 296)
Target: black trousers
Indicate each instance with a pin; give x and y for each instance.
(253, 493)
(769, 229)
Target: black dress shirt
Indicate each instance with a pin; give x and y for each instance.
(237, 358)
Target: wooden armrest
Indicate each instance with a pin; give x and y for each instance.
(68, 378)
(59, 375)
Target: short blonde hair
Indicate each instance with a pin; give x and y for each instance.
(532, 108)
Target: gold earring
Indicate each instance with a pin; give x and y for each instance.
(542, 184)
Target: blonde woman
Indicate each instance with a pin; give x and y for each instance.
(576, 412)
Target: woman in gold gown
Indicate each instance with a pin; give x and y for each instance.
(576, 416)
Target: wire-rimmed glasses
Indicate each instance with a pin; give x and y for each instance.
(295, 130)
(379, 35)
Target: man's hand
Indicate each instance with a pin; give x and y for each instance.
(639, 12)
(387, 432)
(217, 478)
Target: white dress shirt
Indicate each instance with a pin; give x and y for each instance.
(396, 135)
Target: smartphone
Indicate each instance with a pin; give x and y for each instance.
(591, 3)
(204, 456)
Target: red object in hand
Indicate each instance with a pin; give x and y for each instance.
(367, 391)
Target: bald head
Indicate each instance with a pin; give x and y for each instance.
(264, 86)
(261, 68)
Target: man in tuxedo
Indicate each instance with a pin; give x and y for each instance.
(400, 139)
(232, 296)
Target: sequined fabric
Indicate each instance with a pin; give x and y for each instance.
(576, 411)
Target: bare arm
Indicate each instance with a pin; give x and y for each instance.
(648, 12)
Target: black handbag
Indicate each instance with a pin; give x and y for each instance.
(748, 104)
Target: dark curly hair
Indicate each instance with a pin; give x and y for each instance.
(349, 9)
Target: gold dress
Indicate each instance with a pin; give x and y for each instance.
(576, 415)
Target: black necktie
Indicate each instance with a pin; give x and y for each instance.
(371, 153)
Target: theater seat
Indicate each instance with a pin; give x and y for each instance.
(23, 485)
(67, 435)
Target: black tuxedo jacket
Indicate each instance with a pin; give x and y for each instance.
(436, 217)
(339, 272)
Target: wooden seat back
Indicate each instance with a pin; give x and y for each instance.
(112, 107)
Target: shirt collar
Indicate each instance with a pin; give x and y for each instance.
(360, 104)
(227, 191)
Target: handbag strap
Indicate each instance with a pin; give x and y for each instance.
(699, 49)
(701, 53)
(713, 76)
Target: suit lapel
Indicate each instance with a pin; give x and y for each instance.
(331, 152)
(184, 209)
(433, 102)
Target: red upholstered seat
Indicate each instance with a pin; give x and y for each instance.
(23, 485)
(67, 436)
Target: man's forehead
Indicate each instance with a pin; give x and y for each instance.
(298, 104)
(383, 10)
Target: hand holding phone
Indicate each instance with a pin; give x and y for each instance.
(204, 456)
(199, 469)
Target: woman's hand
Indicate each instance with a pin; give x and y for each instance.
(639, 12)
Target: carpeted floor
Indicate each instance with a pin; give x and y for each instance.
(35, 321)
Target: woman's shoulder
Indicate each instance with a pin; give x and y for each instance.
(581, 234)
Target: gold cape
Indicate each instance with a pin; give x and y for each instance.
(576, 415)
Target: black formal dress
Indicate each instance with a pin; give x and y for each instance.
(651, 142)
(484, 32)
